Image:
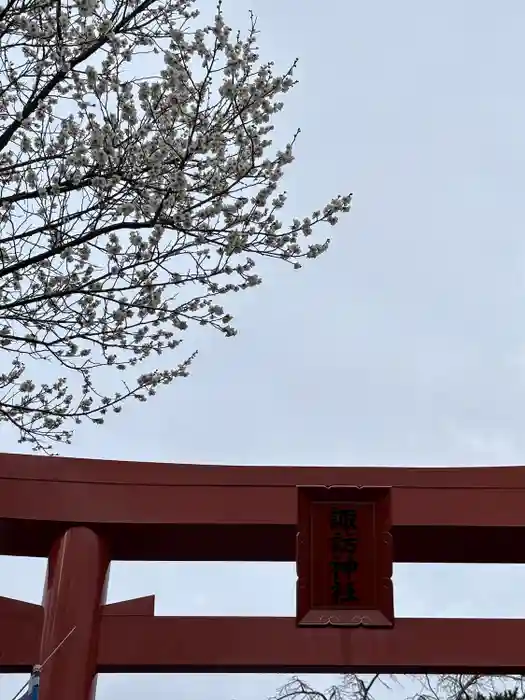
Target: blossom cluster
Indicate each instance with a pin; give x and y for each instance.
(130, 205)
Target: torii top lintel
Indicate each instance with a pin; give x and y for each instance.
(151, 511)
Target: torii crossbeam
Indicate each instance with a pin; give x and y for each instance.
(81, 514)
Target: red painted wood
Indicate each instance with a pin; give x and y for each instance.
(79, 512)
(370, 581)
(20, 630)
(455, 544)
(74, 590)
(67, 469)
(135, 606)
(277, 645)
(171, 512)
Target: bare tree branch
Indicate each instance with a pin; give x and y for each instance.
(423, 687)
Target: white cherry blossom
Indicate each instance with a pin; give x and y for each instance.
(131, 204)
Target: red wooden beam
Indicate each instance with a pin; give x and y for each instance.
(43, 468)
(186, 512)
(21, 628)
(276, 645)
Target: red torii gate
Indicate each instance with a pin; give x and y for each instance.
(81, 514)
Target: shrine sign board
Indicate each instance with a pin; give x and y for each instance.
(344, 557)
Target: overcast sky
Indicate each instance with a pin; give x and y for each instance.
(404, 345)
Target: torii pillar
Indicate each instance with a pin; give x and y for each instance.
(75, 591)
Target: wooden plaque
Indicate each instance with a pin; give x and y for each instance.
(344, 556)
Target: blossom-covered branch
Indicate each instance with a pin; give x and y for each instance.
(130, 204)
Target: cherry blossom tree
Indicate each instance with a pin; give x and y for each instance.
(463, 686)
(131, 204)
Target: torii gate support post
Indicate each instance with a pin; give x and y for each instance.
(75, 590)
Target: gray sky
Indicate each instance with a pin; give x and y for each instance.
(404, 345)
